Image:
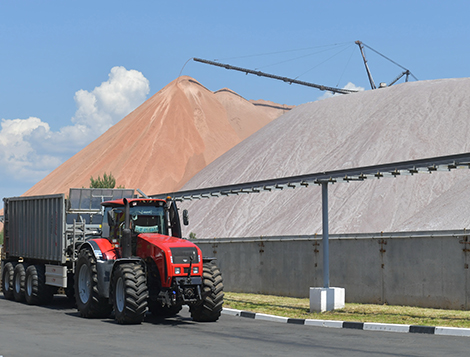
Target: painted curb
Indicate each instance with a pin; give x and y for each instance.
(365, 326)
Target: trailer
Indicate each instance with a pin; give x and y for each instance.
(43, 232)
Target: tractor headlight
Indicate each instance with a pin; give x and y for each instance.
(195, 270)
(177, 270)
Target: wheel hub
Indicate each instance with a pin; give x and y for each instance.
(120, 298)
(84, 284)
(29, 285)
(6, 282)
(17, 283)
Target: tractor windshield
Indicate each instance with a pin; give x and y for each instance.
(148, 219)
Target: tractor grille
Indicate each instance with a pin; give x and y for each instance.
(182, 255)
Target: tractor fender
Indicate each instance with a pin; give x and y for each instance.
(208, 259)
(103, 252)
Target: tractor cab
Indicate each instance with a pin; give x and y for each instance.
(140, 216)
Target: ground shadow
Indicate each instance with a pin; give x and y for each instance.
(59, 302)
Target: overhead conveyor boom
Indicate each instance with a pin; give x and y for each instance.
(273, 76)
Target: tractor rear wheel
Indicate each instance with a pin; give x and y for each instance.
(212, 295)
(89, 302)
(130, 293)
(19, 278)
(7, 280)
(36, 290)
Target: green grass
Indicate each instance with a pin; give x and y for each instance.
(299, 308)
(1, 237)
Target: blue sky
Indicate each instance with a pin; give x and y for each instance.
(69, 70)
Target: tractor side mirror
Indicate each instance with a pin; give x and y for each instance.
(185, 217)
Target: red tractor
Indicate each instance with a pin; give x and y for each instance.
(141, 263)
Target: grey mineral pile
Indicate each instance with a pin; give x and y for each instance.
(404, 122)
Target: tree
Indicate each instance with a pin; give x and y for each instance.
(108, 181)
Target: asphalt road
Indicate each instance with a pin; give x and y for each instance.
(57, 330)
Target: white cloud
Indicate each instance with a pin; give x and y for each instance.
(29, 150)
(112, 100)
(347, 86)
(17, 154)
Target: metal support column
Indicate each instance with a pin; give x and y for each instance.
(326, 249)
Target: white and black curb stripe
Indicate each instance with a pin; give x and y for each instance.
(368, 326)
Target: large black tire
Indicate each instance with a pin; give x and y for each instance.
(19, 278)
(89, 303)
(7, 280)
(157, 309)
(36, 290)
(212, 293)
(130, 293)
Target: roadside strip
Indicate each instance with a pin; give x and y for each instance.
(368, 326)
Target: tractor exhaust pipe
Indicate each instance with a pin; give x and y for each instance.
(126, 234)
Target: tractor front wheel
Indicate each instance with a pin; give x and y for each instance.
(212, 295)
(130, 293)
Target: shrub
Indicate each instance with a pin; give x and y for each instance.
(108, 181)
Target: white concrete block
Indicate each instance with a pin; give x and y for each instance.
(374, 326)
(452, 331)
(326, 299)
(272, 318)
(324, 323)
(233, 312)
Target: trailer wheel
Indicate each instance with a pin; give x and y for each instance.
(157, 309)
(212, 295)
(36, 290)
(19, 277)
(130, 293)
(89, 303)
(7, 280)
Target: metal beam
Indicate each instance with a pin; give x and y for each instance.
(325, 236)
(371, 80)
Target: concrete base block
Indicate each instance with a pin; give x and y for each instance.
(326, 299)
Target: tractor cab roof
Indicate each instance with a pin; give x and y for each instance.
(134, 202)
